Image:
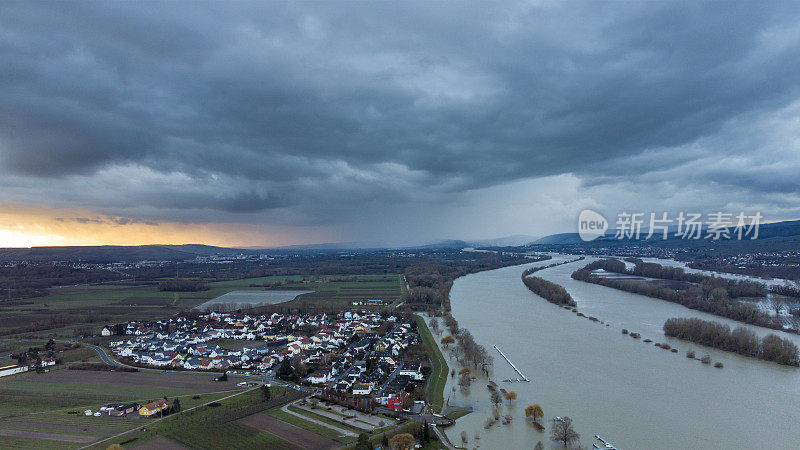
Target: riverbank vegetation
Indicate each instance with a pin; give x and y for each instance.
(429, 282)
(713, 295)
(468, 352)
(739, 340)
(549, 291)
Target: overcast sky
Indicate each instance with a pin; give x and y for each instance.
(392, 122)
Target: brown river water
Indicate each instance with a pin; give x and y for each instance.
(631, 393)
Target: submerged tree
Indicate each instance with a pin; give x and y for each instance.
(511, 396)
(562, 431)
(496, 398)
(534, 411)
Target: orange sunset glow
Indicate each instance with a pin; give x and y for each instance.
(36, 227)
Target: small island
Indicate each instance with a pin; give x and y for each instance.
(739, 340)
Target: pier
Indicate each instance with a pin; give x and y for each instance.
(512, 364)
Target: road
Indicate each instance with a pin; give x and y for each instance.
(114, 362)
(162, 418)
(443, 439)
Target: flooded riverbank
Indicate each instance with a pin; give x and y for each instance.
(623, 389)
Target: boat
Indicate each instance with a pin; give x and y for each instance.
(558, 419)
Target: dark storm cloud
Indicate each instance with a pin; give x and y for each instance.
(319, 109)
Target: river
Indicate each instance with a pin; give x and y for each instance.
(629, 392)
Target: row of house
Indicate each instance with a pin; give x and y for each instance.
(356, 352)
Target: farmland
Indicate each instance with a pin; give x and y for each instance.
(210, 427)
(68, 311)
(37, 405)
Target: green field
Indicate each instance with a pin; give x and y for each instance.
(438, 376)
(38, 444)
(387, 288)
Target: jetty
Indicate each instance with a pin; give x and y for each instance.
(522, 377)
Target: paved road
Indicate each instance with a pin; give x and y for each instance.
(443, 439)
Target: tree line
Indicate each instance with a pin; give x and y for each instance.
(713, 295)
(739, 340)
(549, 291)
(430, 281)
(735, 288)
(467, 351)
(182, 285)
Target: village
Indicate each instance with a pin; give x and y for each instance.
(356, 358)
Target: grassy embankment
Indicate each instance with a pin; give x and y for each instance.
(438, 377)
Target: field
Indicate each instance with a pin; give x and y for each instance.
(290, 432)
(343, 290)
(71, 308)
(209, 427)
(36, 405)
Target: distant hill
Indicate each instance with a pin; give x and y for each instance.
(453, 243)
(508, 241)
(113, 253)
(776, 236)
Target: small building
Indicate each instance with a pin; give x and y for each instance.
(153, 408)
(106, 331)
(319, 377)
(47, 362)
(124, 409)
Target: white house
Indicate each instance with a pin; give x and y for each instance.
(362, 388)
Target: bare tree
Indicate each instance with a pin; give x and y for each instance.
(496, 398)
(562, 431)
(434, 325)
(464, 380)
